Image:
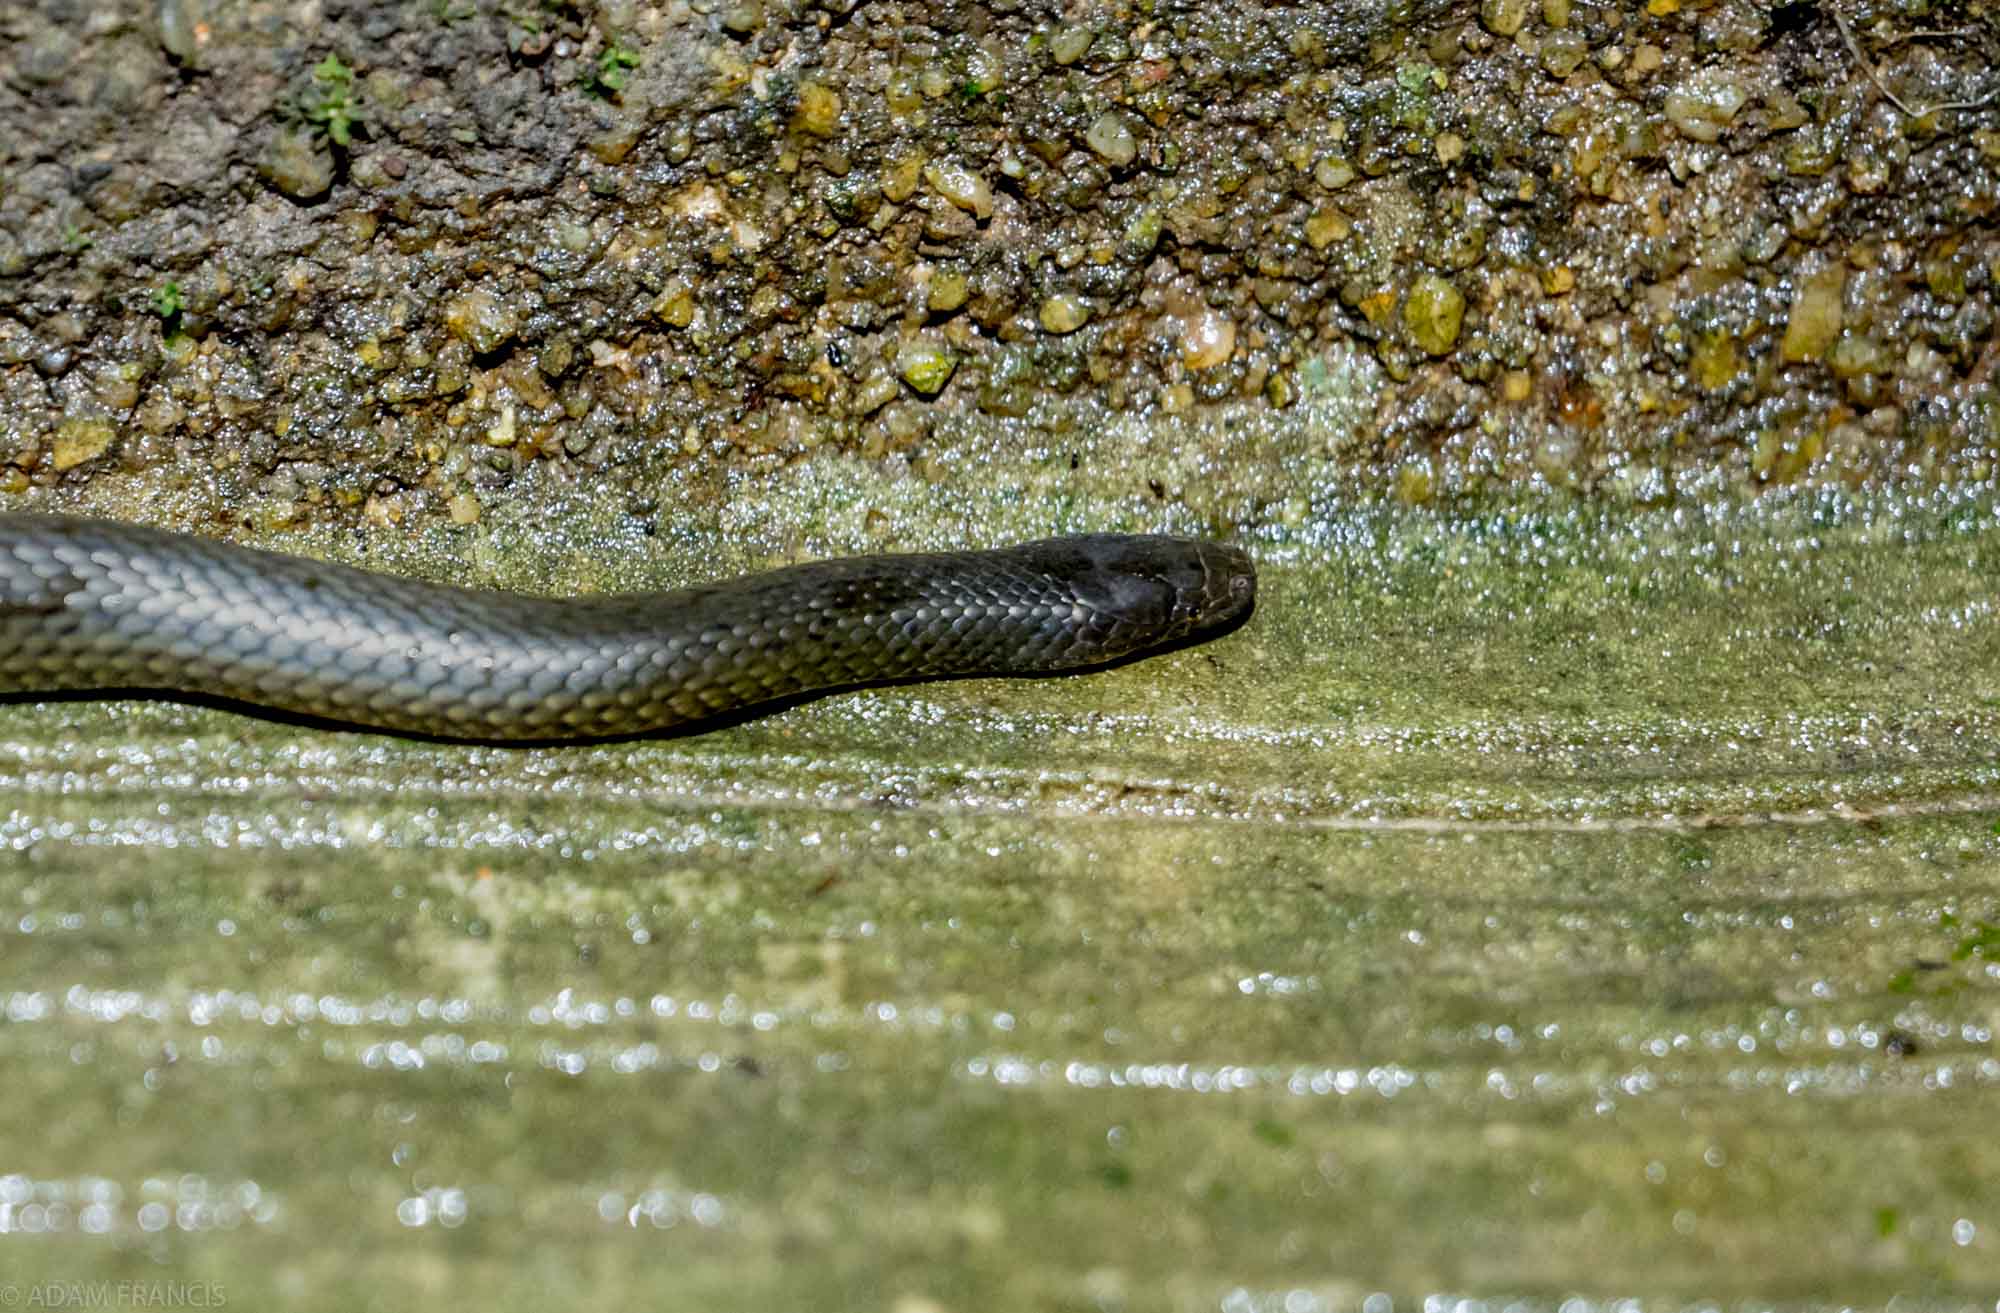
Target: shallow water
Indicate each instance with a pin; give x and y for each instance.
(1538, 910)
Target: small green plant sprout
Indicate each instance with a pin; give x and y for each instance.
(166, 303)
(331, 103)
(614, 70)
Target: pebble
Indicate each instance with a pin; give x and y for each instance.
(297, 163)
(962, 187)
(482, 321)
(1064, 312)
(1434, 313)
(926, 364)
(1208, 337)
(1111, 139)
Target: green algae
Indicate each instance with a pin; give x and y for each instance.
(1545, 904)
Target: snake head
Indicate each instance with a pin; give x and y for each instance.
(1147, 592)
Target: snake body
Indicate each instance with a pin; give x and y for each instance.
(94, 606)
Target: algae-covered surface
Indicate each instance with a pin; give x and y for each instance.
(1544, 908)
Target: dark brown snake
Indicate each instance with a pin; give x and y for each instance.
(92, 606)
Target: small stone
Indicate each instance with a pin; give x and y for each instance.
(1810, 154)
(1814, 324)
(899, 180)
(948, 290)
(877, 391)
(1064, 312)
(1783, 112)
(385, 90)
(1715, 361)
(1434, 313)
(504, 431)
(615, 143)
(463, 509)
(1503, 17)
(79, 440)
(926, 364)
(902, 95)
(1563, 53)
(962, 187)
(1869, 171)
(1702, 108)
(1208, 337)
(46, 57)
(1110, 137)
(1142, 234)
(1070, 44)
(1856, 357)
(945, 223)
(983, 72)
(1416, 484)
(1333, 173)
(117, 387)
(298, 163)
(177, 30)
(1946, 275)
(819, 108)
(1325, 226)
(482, 321)
(674, 306)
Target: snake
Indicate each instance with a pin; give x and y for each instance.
(93, 607)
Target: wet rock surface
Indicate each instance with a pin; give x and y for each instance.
(417, 248)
